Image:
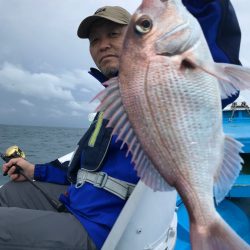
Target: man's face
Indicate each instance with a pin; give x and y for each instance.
(106, 41)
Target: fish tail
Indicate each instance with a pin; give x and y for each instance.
(217, 236)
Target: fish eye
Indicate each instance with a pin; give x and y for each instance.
(143, 25)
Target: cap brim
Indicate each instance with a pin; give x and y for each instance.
(84, 27)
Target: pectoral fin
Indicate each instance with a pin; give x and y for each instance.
(232, 78)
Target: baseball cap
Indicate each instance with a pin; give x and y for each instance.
(113, 13)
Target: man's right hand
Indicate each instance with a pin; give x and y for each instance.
(27, 167)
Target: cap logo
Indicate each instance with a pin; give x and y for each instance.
(100, 10)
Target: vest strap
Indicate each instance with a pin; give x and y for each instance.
(115, 186)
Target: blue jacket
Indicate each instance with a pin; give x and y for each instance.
(97, 209)
(221, 29)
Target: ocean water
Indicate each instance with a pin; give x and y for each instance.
(40, 144)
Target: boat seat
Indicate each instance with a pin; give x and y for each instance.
(147, 221)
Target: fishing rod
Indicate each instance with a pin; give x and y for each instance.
(15, 152)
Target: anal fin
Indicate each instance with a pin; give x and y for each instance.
(230, 169)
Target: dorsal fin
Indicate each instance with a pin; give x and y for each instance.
(111, 104)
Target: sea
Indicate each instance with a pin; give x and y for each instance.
(40, 144)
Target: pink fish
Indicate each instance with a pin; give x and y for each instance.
(166, 106)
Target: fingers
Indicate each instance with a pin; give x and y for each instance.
(6, 167)
(27, 167)
(12, 162)
(12, 174)
(10, 169)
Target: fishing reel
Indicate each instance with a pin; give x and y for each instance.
(10, 153)
(14, 152)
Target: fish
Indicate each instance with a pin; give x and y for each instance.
(165, 105)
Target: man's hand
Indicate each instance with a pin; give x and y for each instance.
(27, 167)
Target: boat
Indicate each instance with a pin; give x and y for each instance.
(159, 220)
(149, 220)
(235, 208)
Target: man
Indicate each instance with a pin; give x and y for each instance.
(99, 178)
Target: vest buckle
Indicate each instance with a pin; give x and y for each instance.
(101, 180)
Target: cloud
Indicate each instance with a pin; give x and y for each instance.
(41, 85)
(48, 44)
(82, 106)
(59, 97)
(26, 102)
(15, 79)
(7, 110)
(85, 90)
(46, 64)
(56, 113)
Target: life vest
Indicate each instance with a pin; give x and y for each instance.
(91, 149)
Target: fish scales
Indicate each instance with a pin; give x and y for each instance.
(163, 114)
(166, 136)
(170, 115)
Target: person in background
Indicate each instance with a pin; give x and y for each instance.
(95, 183)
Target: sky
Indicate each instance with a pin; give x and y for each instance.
(44, 78)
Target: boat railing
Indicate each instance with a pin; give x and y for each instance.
(236, 110)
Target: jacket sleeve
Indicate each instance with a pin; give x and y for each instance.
(221, 29)
(53, 172)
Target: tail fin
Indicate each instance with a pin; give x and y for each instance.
(217, 236)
